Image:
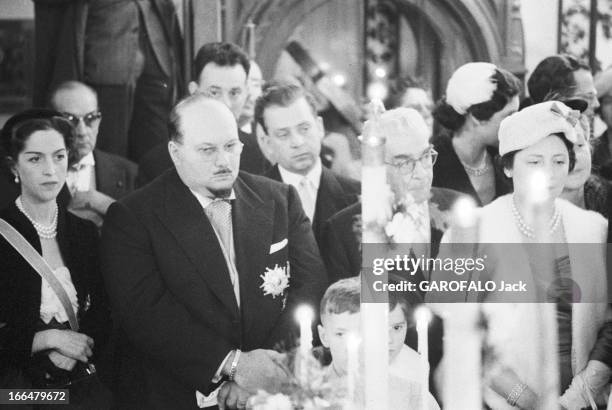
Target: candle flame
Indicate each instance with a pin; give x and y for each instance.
(465, 212)
(304, 314)
(538, 187)
(423, 316)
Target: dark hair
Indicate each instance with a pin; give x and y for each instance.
(222, 54)
(554, 74)
(507, 160)
(281, 94)
(508, 86)
(398, 90)
(18, 128)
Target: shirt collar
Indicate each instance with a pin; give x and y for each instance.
(313, 176)
(87, 160)
(206, 200)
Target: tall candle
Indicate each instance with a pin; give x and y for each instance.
(423, 317)
(352, 368)
(304, 316)
(462, 388)
(374, 316)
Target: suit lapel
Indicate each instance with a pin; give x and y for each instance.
(253, 223)
(274, 174)
(330, 199)
(106, 175)
(184, 217)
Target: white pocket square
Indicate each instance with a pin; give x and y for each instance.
(275, 247)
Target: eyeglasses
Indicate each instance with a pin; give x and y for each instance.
(406, 166)
(209, 154)
(88, 119)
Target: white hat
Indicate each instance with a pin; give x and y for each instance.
(470, 84)
(536, 122)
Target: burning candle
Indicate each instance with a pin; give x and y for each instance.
(423, 317)
(465, 221)
(374, 314)
(304, 317)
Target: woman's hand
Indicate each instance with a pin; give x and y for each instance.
(61, 361)
(74, 345)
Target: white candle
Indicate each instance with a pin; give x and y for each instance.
(374, 316)
(423, 317)
(465, 221)
(462, 357)
(352, 367)
(304, 317)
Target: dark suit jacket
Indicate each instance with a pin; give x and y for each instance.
(335, 193)
(111, 30)
(115, 175)
(341, 247)
(170, 288)
(158, 160)
(20, 285)
(449, 172)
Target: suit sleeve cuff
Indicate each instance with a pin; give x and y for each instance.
(218, 375)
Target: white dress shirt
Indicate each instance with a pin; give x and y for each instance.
(230, 259)
(82, 175)
(50, 305)
(306, 185)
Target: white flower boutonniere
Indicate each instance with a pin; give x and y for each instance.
(275, 280)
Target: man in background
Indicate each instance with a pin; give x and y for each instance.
(97, 178)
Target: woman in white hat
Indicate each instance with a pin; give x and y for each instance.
(540, 351)
(478, 97)
(536, 145)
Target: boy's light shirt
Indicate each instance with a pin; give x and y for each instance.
(405, 376)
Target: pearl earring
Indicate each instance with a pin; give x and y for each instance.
(16, 178)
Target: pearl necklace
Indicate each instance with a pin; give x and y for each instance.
(480, 170)
(527, 230)
(45, 232)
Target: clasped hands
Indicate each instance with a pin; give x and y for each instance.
(256, 370)
(66, 347)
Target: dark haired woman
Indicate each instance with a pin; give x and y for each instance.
(478, 97)
(36, 342)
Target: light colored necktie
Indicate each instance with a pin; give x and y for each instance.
(219, 212)
(307, 197)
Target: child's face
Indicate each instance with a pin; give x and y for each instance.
(397, 331)
(334, 332)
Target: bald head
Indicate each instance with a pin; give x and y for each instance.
(204, 145)
(79, 103)
(72, 90)
(197, 110)
(407, 148)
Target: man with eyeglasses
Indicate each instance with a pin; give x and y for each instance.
(97, 178)
(293, 132)
(204, 268)
(220, 72)
(409, 159)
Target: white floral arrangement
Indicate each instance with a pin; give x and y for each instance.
(275, 280)
(313, 392)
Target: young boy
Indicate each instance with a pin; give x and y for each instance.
(340, 317)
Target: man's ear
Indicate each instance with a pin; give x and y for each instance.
(173, 150)
(322, 335)
(192, 87)
(321, 127)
